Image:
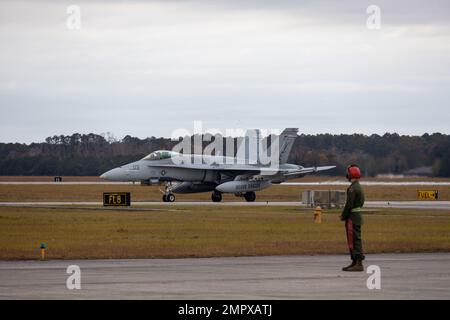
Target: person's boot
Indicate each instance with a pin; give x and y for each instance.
(358, 266)
(349, 266)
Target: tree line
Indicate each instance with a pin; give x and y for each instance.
(92, 154)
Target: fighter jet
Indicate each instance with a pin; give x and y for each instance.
(193, 173)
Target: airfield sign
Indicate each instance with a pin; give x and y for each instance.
(116, 199)
(427, 194)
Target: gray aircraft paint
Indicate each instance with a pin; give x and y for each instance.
(190, 173)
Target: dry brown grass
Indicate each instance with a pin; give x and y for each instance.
(61, 192)
(49, 178)
(308, 178)
(198, 231)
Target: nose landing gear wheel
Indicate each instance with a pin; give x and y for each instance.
(167, 193)
(216, 196)
(250, 196)
(169, 197)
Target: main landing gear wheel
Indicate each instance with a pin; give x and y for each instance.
(169, 197)
(250, 196)
(216, 196)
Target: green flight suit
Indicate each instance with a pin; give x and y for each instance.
(354, 220)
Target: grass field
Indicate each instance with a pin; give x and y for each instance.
(93, 192)
(59, 192)
(307, 178)
(196, 231)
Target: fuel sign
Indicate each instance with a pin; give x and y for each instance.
(427, 194)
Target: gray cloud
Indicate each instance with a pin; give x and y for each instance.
(147, 68)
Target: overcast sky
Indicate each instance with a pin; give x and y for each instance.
(146, 68)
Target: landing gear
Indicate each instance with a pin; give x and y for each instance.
(250, 196)
(216, 196)
(168, 197)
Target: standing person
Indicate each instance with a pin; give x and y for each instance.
(353, 219)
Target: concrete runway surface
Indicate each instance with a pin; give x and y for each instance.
(403, 276)
(439, 205)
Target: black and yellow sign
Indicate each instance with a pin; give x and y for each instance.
(116, 199)
(427, 194)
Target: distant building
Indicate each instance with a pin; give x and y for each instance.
(389, 176)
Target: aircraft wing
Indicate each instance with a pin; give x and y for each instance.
(248, 168)
(307, 170)
(220, 167)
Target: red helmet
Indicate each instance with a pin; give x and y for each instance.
(353, 172)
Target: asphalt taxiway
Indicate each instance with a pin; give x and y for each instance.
(402, 276)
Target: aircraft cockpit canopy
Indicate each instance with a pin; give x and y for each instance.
(160, 155)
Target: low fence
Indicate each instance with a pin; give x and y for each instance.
(324, 198)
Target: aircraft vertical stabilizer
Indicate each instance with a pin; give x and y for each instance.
(286, 141)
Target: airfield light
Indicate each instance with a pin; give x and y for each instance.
(43, 247)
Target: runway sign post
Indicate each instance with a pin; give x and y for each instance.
(427, 194)
(116, 199)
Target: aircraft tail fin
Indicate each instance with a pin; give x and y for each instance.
(286, 141)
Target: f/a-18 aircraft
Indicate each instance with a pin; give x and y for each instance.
(193, 173)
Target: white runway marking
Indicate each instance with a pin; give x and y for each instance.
(440, 205)
(370, 183)
(323, 183)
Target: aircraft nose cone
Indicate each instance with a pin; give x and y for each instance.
(116, 174)
(109, 175)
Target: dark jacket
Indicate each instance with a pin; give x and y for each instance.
(355, 201)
